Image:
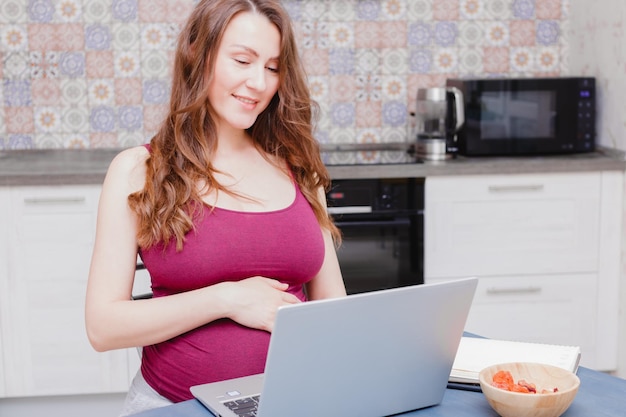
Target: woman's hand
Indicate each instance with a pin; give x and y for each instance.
(253, 302)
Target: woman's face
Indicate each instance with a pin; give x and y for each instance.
(246, 71)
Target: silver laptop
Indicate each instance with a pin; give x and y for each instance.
(371, 354)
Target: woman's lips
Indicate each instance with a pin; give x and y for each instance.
(246, 100)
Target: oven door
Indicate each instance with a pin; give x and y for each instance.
(380, 252)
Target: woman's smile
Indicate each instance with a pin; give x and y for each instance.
(246, 100)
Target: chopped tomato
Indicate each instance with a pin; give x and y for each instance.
(504, 380)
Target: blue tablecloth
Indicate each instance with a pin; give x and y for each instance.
(599, 395)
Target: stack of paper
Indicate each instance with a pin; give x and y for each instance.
(475, 354)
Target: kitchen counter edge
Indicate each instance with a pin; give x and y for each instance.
(81, 167)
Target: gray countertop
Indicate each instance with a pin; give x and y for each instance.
(74, 167)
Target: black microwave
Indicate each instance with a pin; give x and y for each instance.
(526, 116)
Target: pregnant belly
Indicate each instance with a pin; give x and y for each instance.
(214, 352)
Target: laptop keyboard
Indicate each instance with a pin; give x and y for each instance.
(244, 407)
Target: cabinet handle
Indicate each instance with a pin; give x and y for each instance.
(517, 290)
(515, 188)
(53, 201)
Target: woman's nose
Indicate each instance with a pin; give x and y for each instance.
(256, 79)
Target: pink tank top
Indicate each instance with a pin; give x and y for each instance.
(228, 245)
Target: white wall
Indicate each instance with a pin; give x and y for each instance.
(597, 39)
(597, 32)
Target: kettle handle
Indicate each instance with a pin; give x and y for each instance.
(458, 107)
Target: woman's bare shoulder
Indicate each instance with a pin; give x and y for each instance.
(129, 168)
(133, 156)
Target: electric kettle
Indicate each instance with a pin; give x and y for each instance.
(438, 117)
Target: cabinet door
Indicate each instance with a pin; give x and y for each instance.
(545, 309)
(46, 350)
(4, 279)
(512, 224)
(547, 246)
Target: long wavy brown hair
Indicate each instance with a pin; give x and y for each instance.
(182, 150)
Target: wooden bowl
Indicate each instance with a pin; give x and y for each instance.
(515, 404)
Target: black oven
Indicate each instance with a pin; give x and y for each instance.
(382, 224)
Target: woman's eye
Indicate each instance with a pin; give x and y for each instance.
(272, 69)
(240, 61)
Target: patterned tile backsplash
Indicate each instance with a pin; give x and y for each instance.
(95, 73)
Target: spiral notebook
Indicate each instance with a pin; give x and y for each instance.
(475, 353)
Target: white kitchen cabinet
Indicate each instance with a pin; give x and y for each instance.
(546, 250)
(4, 278)
(47, 245)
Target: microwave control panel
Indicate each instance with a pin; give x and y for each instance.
(586, 113)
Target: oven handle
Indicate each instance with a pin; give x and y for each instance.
(349, 210)
(400, 221)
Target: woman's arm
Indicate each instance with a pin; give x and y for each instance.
(113, 321)
(328, 283)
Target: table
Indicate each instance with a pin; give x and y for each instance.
(599, 395)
